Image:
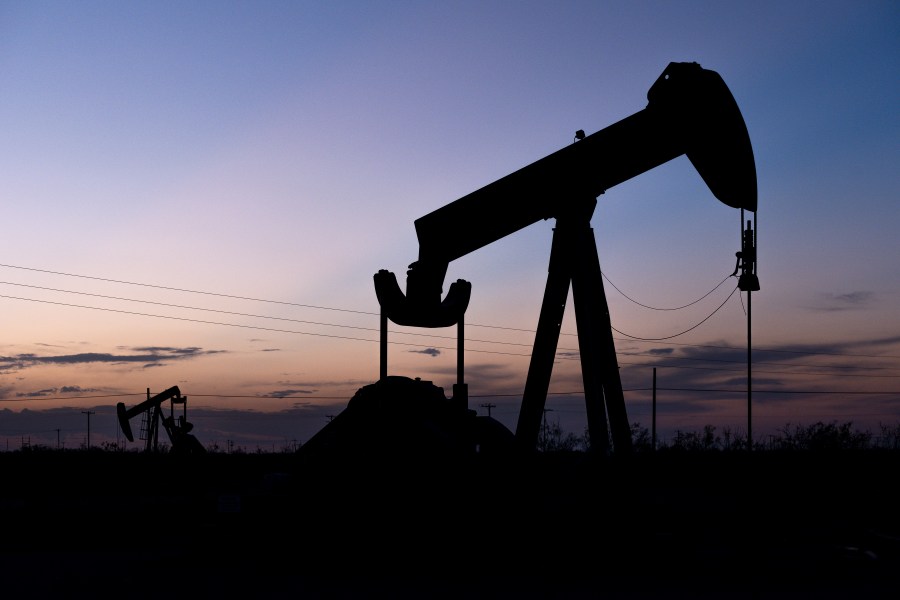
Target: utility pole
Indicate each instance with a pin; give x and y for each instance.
(88, 413)
(748, 282)
(545, 434)
(488, 406)
(57, 438)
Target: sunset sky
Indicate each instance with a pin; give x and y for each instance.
(199, 193)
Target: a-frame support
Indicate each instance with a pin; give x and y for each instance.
(574, 259)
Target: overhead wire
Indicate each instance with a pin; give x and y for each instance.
(239, 297)
(629, 298)
(689, 329)
(280, 302)
(227, 312)
(474, 350)
(405, 333)
(234, 313)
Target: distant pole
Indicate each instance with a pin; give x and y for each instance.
(488, 406)
(88, 413)
(546, 432)
(57, 438)
(654, 408)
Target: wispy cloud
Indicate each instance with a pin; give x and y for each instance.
(37, 394)
(75, 389)
(70, 391)
(840, 302)
(286, 393)
(428, 351)
(149, 356)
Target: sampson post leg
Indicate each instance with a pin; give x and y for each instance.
(600, 370)
(545, 342)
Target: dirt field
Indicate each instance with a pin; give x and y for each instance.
(712, 525)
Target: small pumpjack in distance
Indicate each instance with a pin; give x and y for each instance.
(177, 428)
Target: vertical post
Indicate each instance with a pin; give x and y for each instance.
(748, 282)
(383, 341)
(460, 352)
(654, 411)
(460, 389)
(749, 379)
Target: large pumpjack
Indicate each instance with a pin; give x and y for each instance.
(690, 112)
(177, 427)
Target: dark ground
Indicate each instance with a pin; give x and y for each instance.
(715, 525)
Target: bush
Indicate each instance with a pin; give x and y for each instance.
(821, 436)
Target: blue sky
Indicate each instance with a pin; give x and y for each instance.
(198, 194)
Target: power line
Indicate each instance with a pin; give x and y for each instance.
(430, 336)
(333, 336)
(175, 289)
(231, 296)
(774, 350)
(718, 285)
(801, 392)
(705, 319)
(239, 313)
(728, 360)
(233, 313)
(474, 350)
(788, 373)
(279, 302)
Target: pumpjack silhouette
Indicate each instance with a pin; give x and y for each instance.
(178, 429)
(691, 112)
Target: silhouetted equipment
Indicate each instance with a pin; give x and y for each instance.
(691, 112)
(177, 428)
(746, 262)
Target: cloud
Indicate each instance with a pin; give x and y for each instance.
(841, 302)
(287, 393)
(661, 351)
(46, 393)
(189, 351)
(150, 356)
(428, 351)
(38, 394)
(75, 389)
